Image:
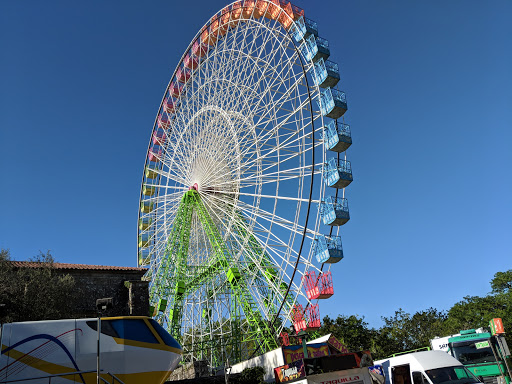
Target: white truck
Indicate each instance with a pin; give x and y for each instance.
(441, 343)
(428, 367)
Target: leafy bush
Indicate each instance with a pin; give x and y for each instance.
(34, 293)
(252, 375)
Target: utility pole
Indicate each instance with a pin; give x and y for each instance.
(226, 371)
(101, 305)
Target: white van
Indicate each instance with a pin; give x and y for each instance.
(428, 367)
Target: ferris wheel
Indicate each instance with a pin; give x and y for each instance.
(242, 195)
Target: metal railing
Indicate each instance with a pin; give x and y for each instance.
(411, 351)
(113, 378)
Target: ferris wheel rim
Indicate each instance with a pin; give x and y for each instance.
(312, 131)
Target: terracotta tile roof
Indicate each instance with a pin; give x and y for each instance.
(31, 264)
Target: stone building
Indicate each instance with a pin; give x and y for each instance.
(130, 294)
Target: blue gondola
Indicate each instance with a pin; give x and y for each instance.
(311, 27)
(337, 173)
(326, 73)
(309, 49)
(328, 249)
(334, 211)
(323, 49)
(337, 139)
(298, 29)
(314, 48)
(333, 103)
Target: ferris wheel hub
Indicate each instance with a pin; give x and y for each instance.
(195, 186)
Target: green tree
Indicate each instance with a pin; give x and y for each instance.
(403, 332)
(34, 293)
(502, 282)
(352, 331)
(425, 325)
(476, 312)
(7, 285)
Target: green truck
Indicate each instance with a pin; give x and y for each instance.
(484, 354)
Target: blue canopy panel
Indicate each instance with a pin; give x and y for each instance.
(326, 73)
(332, 103)
(298, 29)
(311, 27)
(323, 49)
(327, 249)
(308, 48)
(314, 48)
(337, 139)
(337, 173)
(334, 211)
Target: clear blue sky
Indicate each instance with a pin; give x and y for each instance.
(429, 87)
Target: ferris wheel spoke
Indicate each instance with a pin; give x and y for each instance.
(276, 197)
(262, 177)
(274, 157)
(263, 34)
(277, 103)
(161, 173)
(278, 106)
(282, 252)
(273, 218)
(278, 78)
(291, 139)
(255, 282)
(267, 65)
(286, 263)
(288, 144)
(270, 217)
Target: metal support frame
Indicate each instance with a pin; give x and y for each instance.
(175, 280)
(265, 264)
(172, 271)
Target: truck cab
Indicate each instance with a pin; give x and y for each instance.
(478, 352)
(427, 367)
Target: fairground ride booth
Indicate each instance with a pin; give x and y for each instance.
(287, 362)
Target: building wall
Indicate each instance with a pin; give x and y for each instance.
(192, 370)
(130, 294)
